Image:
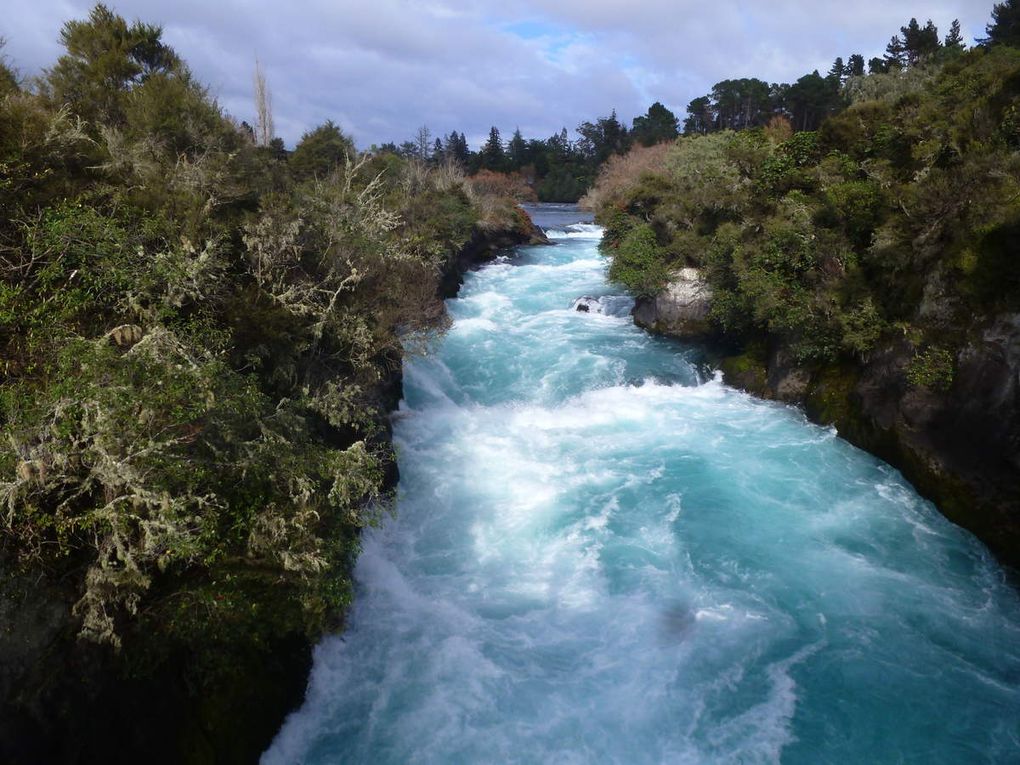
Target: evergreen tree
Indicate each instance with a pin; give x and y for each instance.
(105, 59)
(855, 65)
(878, 65)
(811, 99)
(918, 43)
(700, 116)
(838, 70)
(603, 138)
(492, 156)
(928, 43)
(517, 151)
(438, 153)
(954, 40)
(1004, 28)
(456, 148)
(8, 77)
(320, 151)
(895, 54)
(659, 124)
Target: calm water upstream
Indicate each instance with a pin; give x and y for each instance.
(601, 556)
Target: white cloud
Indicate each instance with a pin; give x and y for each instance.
(381, 68)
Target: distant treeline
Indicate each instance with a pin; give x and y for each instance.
(557, 169)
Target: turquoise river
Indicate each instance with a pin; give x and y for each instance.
(602, 554)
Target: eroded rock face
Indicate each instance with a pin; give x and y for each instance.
(680, 310)
(959, 446)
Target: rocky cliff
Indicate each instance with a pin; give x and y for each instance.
(954, 431)
(680, 310)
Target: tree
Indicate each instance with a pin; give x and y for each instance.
(423, 143)
(742, 103)
(878, 65)
(811, 99)
(1004, 28)
(8, 77)
(105, 59)
(455, 148)
(517, 151)
(659, 124)
(895, 54)
(700, 116)
(838, 70)
(855, 66)
(320, 151)
(916, 44)
(492, 156)
(927, 43)
(438, 153)
(264, 130)
(603, 138)
(954, 40)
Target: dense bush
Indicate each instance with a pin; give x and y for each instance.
(196, 333)
(901, 210)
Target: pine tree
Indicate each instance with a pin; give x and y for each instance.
(492, 155)
(918, 43)
(855, 65)
(700, 116)
(928, 43)
(517, 151)
(895, 54)
(105, 59)
(456, 149)
(838, 70)
(1004, 28)
(954, 40)
(657, 125)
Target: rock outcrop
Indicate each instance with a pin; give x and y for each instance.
(485, 244)
(958, 443)
(680, 310)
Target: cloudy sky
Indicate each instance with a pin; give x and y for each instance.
(381, 68)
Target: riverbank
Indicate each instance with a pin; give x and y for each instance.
(956, 442)
(587, 522)
(66, 700)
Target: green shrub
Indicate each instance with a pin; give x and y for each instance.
(933, 368)
(639, 262)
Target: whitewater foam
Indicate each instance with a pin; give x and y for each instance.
(600, 556)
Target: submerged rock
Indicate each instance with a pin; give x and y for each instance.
(681, 309)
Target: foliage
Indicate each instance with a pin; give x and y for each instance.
(196, 335)
(1004, 28)
(638, 262)
(320, 152)
(901, 210)
(513, 185)
(932, 368)
(622, 172)
(657, 125)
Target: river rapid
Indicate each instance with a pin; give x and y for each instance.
(602, 554)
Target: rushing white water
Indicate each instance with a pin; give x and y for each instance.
(601, 556)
